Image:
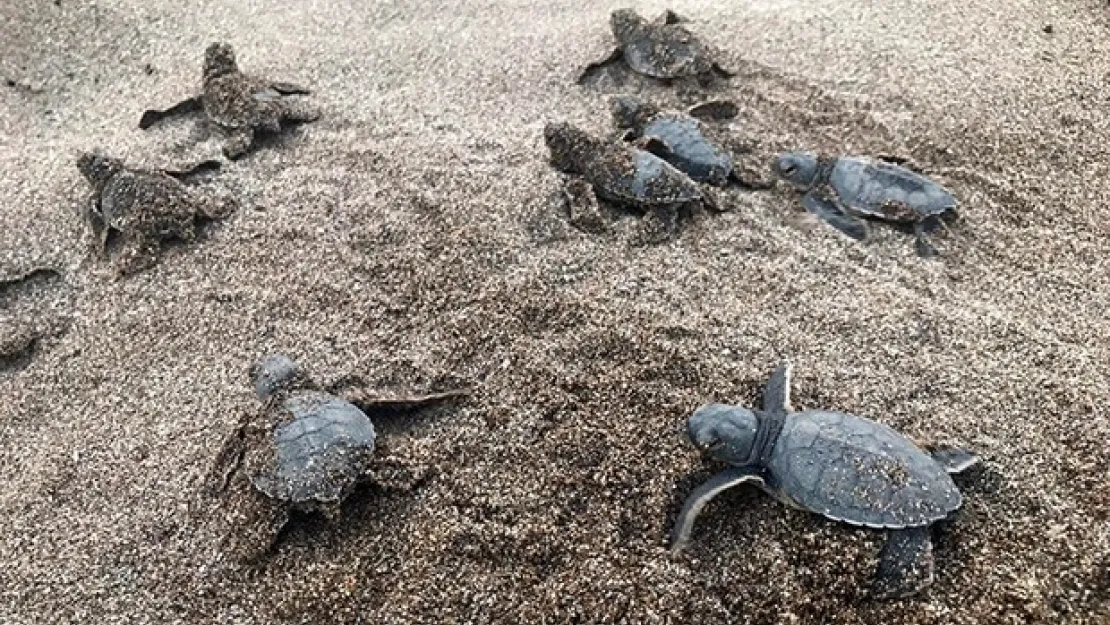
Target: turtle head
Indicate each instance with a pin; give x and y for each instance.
(568, 144)
(275, 373)
(725, 433)
(797, 168)
(219, 59)
(630, 112)
(625, 24)
(97, 168)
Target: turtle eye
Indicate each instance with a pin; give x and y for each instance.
(789, 169)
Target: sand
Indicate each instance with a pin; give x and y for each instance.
(415, 237)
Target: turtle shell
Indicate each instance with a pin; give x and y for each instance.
(133, 197)
(858, 471)
(628, 175)
(236, 100)
(887, 191)
(665, 51)
(689, 149)
(321, 450)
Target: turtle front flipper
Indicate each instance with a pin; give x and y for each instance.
(659, 225)
(715, 110)
(921, 242)
(583, 210)
(656, 146)
(239, 142)
(668, 17)
(684, 523)
(832, 215)
(153, 116)
(953, 459)
(194, 169)
(776, 395)
(254, 522)
(905, 564)
(288, 88)
(595, 67)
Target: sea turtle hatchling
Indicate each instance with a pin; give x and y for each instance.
(841, 466)
(305, 450)
(144, 207)
(841, 190)
(662, 48)
(239, 104)
(623, 174)
(681, 138)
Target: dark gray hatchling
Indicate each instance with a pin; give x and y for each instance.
(841, 466)
(144, 207)
(662, 48)
(306, 450)
(841, 190)
(240, 104)
(625, 175)
(682, 138)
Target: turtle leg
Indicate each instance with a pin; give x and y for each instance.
(137, 252)
(832, 215)
(583, 210)
(596, 66)
(924, 248)
(212, 208)
(255, 522)
(905, 564)
(655, 145)
(239, 143)
(953, 459)
(289, 88)
(715, 110)
(669, 17)
(776, 395)
(153, 116)
(659, 224)
(193, 169)
(299, 112)
(721, 71)
(692, 507)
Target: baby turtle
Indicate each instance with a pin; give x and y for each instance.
(841, 190)
(144, 207)
(625, 175)
(662, 49)
(305, 450)
(838, 465)
(682, 139)
(240, 104)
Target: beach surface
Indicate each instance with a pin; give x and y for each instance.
(415, 238)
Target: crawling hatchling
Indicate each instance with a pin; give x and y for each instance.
(662, 48)
(144, 207)
(842, 190)
(305, 450)
(683, 139)
(620, 173)
(838, 465)
(242, 105)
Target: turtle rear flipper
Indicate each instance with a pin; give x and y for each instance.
(597, 66)
(684, 523)
(153, 116)
(715, 110)
(953, 459)
(832, 215)
(776, 395)
(905, 564)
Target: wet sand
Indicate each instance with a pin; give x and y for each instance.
(415, 236)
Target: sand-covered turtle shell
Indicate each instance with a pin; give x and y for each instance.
(887, 191)
(628, 175)
(662, 48)
(859, 471)
(321, 450)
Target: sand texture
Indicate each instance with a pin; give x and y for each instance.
(415, 238)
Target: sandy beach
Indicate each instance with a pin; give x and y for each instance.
(416, 237)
